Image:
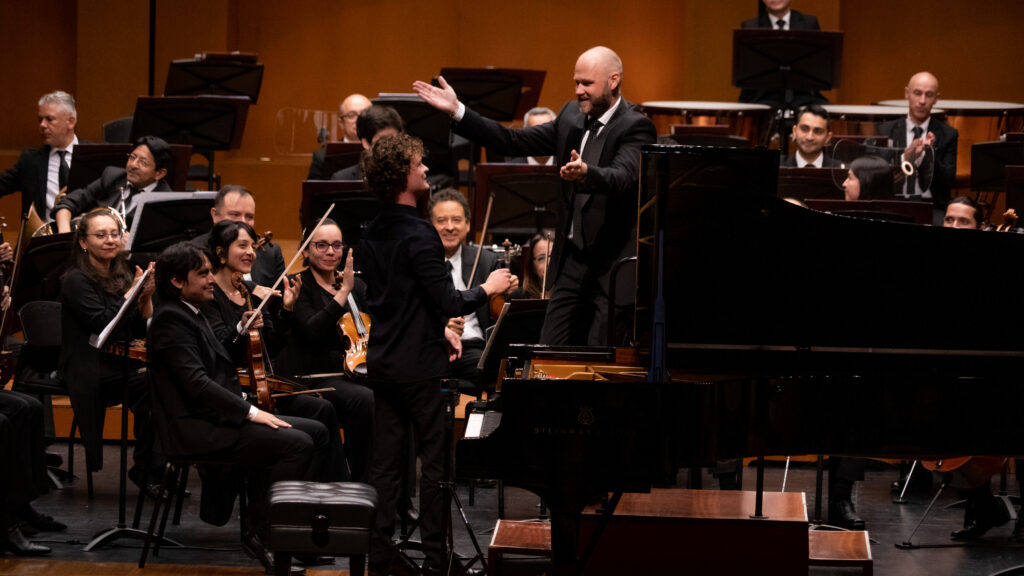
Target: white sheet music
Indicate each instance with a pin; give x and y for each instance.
(100, 340)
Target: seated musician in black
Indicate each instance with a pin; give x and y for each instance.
(869, 178)
(92, 292)
(536, 283)
(231, 252)
(22, 442)
(962, 212)
(318, 347)
(197, 394)
(776, 14)
(117, 188)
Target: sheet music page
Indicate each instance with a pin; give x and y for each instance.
(100, 340)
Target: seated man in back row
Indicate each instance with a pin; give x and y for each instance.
(812, 131)
(118, 188)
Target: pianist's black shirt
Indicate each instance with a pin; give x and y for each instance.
(410, 297)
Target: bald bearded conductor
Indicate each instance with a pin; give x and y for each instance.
(596, 141)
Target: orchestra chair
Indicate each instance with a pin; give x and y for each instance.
(118, 130)
(322, 519)
(37, 372)
(173, 484)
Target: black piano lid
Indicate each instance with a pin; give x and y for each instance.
(745, 269)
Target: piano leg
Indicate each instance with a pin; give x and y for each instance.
(759, 497)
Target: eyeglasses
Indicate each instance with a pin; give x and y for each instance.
(323, 246)
(350, 115)
(133, 157)
(101, 236)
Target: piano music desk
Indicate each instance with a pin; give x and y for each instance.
(703, 531)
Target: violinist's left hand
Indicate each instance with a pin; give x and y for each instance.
(454, 345)
(264, 293)
(291, 292)
(6, 252)
(5, 301)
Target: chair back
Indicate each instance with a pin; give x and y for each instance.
(40, 322)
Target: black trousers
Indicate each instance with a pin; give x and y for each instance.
(23, 451)
(396, 406)
(465, 370)
(353, 404)
(335, 468)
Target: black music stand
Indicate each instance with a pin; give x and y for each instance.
(163, 218)
(338, 156)
(355, 206)
(218, 74)
(428, 124)
(502, 94)
(989, 161)
(786, 61)
(519, 322)
(208, 123)
(525, 199)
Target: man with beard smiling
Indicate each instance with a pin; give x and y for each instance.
(811, 133)
(596, 141)
(117, 187)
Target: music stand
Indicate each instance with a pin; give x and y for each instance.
(525, 198)
(786, 61)
(355, 206)
(806, 183)
(338, 156)
(236, 74)
(502, 94)
(428, 124)
(989, 161)
(208, 123)
(519, 322)
(163, 218)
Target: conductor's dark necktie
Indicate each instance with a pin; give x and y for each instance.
(62, 170)
(912, 179)
(591, 156)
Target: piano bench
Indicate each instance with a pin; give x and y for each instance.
(322, 519)
(512, 537)
(840, 548)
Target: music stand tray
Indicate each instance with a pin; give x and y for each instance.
(780, 60)
(501, 94)
(355, 206)
(525, 198)
(215, 74)
(163, 218)
(205, 122)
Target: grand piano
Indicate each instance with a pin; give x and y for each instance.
(768, 328)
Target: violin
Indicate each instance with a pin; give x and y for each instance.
(264, 241)
(497, 301)
(355, 326)
(1009, 221)
(255, 368)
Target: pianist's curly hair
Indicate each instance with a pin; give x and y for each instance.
(386, 165)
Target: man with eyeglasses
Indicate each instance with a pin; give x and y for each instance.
(918, 131)
(237, 203)
(348, 111)
(450, 214)
(118, 188)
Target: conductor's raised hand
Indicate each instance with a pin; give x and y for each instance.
(575, 169)
(443, 98)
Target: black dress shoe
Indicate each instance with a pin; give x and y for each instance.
(842, 513)
(16, 542)
(39, 521)
(313, 559)
(995, 514)
(254, 548)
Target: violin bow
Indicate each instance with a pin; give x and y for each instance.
(259, 309)
(483, 234)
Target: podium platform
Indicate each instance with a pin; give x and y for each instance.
(700, 532)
